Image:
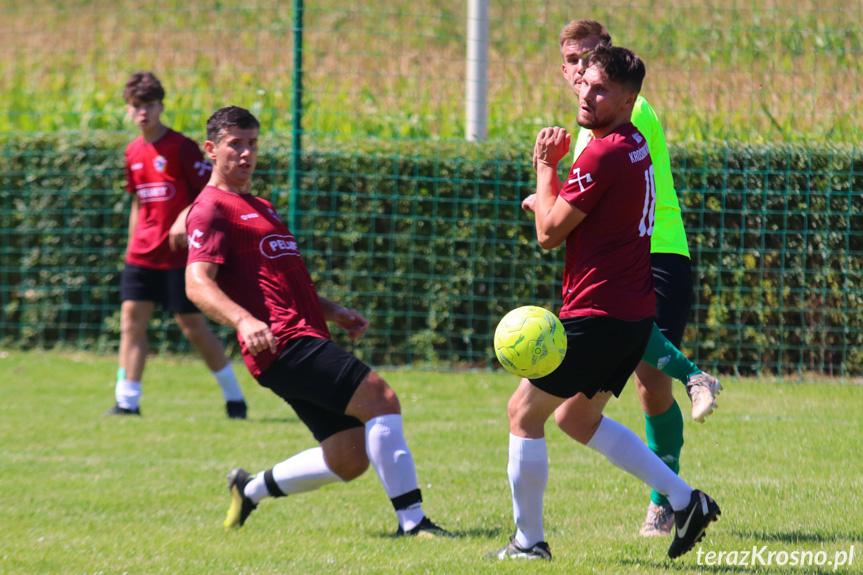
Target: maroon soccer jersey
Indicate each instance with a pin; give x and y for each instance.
(260, 266)
(166, 175)
(608, 255)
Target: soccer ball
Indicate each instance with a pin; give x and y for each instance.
(530, 342)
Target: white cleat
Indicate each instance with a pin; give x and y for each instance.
(703, 389)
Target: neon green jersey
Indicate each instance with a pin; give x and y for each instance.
(669, 236)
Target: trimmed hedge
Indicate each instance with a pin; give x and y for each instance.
(428, 240)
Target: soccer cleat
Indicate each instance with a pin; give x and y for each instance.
(117, 410)
(236, 409)
(241, 506)
(702, 389)
(659, 521)
(425, 529)
(513, 550)
(691, 522)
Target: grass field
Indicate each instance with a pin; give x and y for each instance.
(782, 70)
(84, 493)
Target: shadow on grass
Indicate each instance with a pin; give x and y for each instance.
(491, 534)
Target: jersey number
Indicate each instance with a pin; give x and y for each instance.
(648, 215)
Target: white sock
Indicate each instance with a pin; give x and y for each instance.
(626, 450)
(389, 455)
(528, 477)
(305, 471)
(227, 380)
(128, 394)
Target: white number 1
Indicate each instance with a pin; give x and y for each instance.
(645, 226)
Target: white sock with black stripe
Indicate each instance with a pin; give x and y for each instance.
(305, 471)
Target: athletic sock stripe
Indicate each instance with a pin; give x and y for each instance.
(271, 484)
(407, 499)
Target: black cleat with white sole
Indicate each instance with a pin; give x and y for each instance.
(691, 522)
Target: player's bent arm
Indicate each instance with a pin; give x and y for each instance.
(555, 217)
(204, 292)
(177, 237)
(352, 322)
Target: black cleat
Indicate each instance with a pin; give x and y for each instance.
(236, 409)
(117, 410)
(241, 506)
(691, 522)
(513, 550)
(425, 529)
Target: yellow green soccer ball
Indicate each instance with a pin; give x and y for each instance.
(530, 342)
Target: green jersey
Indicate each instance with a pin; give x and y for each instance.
(669, 236)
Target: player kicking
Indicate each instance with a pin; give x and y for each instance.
(245, 271)
(672, 275)
(604, 214)
(164, 172)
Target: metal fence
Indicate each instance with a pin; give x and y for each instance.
(401, 217)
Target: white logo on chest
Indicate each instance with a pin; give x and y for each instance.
(161, 192)
(276, 246)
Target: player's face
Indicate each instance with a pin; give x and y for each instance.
(236, 154)
(145, 115)
(575, 54)
(602, 103)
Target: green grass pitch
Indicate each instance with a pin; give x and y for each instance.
(83, 493)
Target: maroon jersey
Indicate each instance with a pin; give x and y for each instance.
(608, 255)
(260, 267)
(166, 175)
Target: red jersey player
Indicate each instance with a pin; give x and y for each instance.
(604, 213)
(245, 271)
(164, 173)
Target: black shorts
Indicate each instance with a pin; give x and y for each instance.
(672, 278)
(165, 287)
(317, 378)
(601, 354)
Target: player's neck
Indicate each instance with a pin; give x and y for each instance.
(241, 188)
(600, 133)
(154, 133)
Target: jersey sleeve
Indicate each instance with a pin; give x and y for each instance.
(196, 168)
(209, 234)
(585, 184)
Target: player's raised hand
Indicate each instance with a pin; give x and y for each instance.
(352, 322)
(552, 144)
(256, 335)
(529, 204)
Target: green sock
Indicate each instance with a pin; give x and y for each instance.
(665, 439)
(664, 356)
(121, 374)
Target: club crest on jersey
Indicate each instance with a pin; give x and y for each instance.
(193, 239)
(579, 178)
(160, 192)
(159, 163)
(276, 246)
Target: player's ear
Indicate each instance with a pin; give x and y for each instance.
(210, 151)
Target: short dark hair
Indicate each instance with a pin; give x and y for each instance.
(619, 65)
(226, 117)
(143, 86)
(581, 29)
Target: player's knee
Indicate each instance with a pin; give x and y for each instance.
(350, 465)
(386, 398)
